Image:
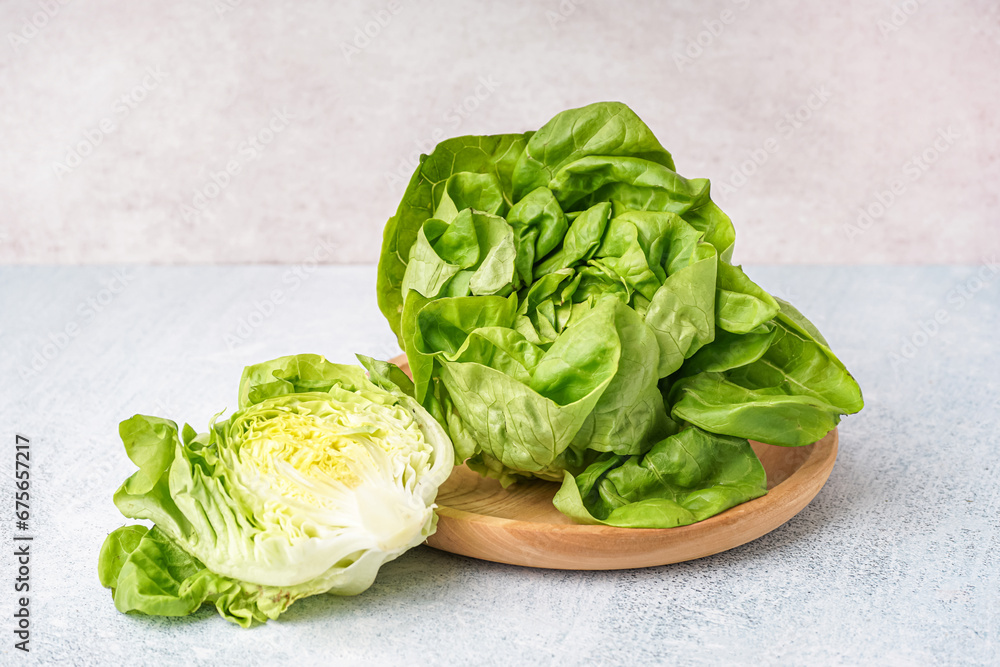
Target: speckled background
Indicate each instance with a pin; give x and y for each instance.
(116, 115)
(895, 562)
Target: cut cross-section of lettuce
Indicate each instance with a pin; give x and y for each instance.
(319, 478)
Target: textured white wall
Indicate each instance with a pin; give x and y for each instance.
(155, 98)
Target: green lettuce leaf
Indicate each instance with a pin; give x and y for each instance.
(684, 478)
(792, 393)
(148, 573)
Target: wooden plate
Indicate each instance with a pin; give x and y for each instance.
(519, 525)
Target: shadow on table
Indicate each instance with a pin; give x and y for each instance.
(418, 576)
(423, 576)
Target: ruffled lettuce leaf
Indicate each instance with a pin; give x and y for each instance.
(493, 156)
(684, 478)
(148, 573)
(791, 392)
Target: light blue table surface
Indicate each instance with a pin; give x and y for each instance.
(894, 562)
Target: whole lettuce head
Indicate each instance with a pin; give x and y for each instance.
(569, 310)
(319, 478)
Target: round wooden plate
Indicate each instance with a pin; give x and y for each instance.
(519, 525)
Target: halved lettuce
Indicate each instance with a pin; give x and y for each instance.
(319, 478)
(569, 309)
